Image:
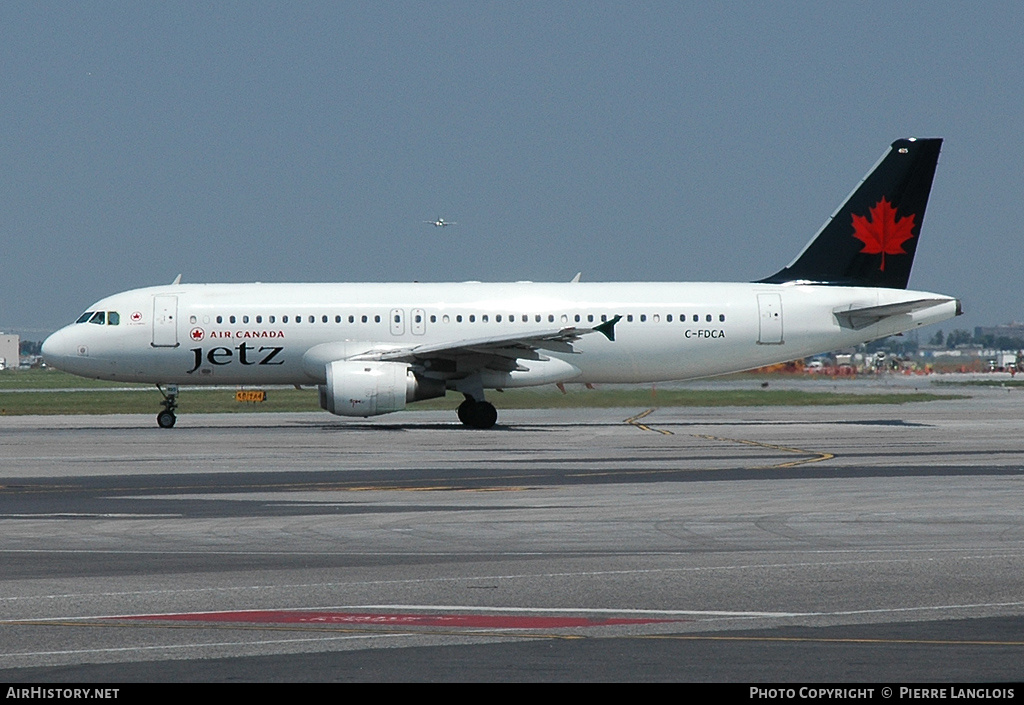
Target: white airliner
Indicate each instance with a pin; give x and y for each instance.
(440, 223)
(373, 348)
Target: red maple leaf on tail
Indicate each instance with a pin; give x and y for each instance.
(884, 233)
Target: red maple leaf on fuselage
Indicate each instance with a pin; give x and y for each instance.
(884, 233)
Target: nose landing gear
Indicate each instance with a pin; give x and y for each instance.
(166, 418)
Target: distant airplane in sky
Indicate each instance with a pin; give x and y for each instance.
(440, 223)
(373, 348)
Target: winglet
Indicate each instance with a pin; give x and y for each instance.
(607, 329)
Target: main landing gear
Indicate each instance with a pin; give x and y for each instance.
(166, 418)
(477, 414)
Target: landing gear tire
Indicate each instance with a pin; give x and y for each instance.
(166, 418)
(486, 415)
(465, 410)
(477, 414)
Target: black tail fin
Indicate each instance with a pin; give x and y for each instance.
(871, 239)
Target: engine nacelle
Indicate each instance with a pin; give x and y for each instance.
(372, 388)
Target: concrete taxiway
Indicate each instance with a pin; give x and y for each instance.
(854, 543)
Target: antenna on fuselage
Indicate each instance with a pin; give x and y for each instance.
(177, 280)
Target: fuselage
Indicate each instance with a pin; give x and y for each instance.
(373, 348)
(194, 334)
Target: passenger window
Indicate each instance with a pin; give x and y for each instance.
(376, 319)
(323, 319)
(191, 319)
(708, 319)
(232, 319)
(577, 318)
(551, 318)
(220, 319)
(114, 318)
(629, 318)
(272, 319)
(668, 318)
(259, 319)
(351, 319)
(458, 319)
(537, 318)
(364, 319)
(590, 318)
(497, 318)
(284, 319)
(696, 318)
(472, 319)
(656, 317)
(99, 318)
(643, 318)
(484, 318)
(721, 317)
(245, 319)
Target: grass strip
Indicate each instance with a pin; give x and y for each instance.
(198, 401)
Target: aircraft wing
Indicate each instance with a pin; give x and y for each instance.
(500, 350)
(858, 318)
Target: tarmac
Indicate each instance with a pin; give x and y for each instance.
(868, 544)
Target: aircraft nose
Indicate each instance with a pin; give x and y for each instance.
(57, 349)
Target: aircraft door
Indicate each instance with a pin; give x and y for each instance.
(419, 321)
(397, 321)
(769, 307)
(165, 321)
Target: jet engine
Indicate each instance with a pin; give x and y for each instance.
(357, 388)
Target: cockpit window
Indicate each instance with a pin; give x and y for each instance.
(110, 318)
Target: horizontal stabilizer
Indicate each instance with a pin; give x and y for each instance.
(859, 318)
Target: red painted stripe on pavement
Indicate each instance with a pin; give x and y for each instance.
(398, 620)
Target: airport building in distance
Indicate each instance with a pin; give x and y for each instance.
(9, 356)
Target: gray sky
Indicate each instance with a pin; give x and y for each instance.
(633, 141)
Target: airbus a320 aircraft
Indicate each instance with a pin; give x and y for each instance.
(373, 348)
